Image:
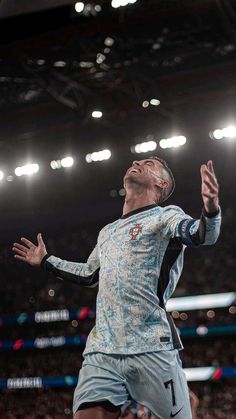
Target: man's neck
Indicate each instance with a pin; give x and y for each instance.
(136, 201)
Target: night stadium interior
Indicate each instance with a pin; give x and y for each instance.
(57, 67)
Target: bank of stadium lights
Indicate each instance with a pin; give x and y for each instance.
(27, 170)
(147, 146)
(114, 193)
(1, 175)
(225, 133)
(87, 9)
(96, 114)
(98, 156)
(86, 64)
(144, 147)
(153, 102)
(120, 3)
(63, 163)
(173, 142)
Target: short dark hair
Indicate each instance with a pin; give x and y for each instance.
(171, 180)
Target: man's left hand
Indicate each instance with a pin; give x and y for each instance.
(210, 188)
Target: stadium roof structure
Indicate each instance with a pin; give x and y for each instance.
(173, 49)
(58, 66)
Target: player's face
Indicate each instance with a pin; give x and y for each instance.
(144, 172)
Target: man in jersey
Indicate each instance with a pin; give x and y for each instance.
(132, 352)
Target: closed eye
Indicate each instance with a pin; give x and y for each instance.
(149, 162)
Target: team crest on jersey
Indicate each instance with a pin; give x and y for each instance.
(134, 231)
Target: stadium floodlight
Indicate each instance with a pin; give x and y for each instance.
(1, 175)
(67, 162)
(173, 142)
(98, 156)
(41, 61)
(145, 104)
(218, 134)
(55, 164)
(115, 3)
(228, 133)
(100, 58)
(96, 114)
(59, 63)
(155, 102)
(51, 292)
(86, 64)
(98, 8)
(79, 6)
(144, 147)
(109, 41)
(27, 170)
(119, 3)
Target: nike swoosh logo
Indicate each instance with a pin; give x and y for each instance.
(172, 415)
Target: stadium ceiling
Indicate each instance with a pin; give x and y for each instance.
(16, 7)
(57, 66)
(59, 55)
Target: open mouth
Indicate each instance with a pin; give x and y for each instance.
(134, 170)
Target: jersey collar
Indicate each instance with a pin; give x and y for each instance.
(147, 207)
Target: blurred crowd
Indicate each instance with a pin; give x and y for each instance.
(217, 401)
(196, 320)
(41, 363)
(67, 361)
(209, 352)
(36, 404)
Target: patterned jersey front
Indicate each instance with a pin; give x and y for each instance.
(140, 257)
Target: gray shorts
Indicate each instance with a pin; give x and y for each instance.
(155, 379)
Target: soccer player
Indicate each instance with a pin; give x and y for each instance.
(132, 352)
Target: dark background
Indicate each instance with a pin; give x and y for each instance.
(181, 52)
(45, 111)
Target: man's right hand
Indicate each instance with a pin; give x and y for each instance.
(29, 253)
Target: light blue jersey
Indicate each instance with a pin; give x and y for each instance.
(140, 258)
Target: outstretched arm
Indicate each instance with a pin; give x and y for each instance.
(36, 255)
(206, 230)
(30, 253)
(210, 221)
(210, 188)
